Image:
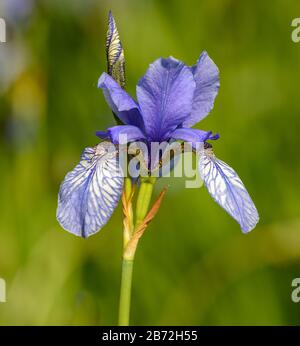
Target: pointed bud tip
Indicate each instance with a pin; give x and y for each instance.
(111, 18)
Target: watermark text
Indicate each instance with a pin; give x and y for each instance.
(2, 30)
(296, 291)
(296, 32)
(2, 291)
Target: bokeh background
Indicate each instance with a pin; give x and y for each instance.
(193, 265)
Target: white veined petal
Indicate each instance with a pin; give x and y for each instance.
(91, 191)
(227, 189)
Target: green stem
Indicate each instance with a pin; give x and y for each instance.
(128, 187)
(125, 296)
(144, 198)
(142, 206)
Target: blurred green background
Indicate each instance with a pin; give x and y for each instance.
(193, 266)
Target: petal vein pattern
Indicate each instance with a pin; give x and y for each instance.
(227, 189)
(91, 191)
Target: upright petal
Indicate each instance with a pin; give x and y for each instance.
(165, 96)
(122, 134)
(193, 135)
(206, 75)
(122, 104)
(227, 189)
(90, 193)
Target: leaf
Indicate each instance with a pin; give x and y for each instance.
(132, 244)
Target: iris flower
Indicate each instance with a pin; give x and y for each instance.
(171, 98)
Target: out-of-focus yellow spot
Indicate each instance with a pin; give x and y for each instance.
(28, 97)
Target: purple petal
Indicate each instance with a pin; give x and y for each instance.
(91, 191)
(122, 134)
(17, 9)
(206, 75)
(122, 104)
(192, 135)
(165, 96)
(227, 189)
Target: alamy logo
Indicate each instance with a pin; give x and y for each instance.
(2, 291)
(2, 30)
(296, 292)
(296, 32)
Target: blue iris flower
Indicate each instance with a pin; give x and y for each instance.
(171, 98)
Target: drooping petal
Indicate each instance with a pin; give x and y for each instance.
(122, 134)
(91, 191)
(193, 135)
(206, 75)
(227, 189)
(122, 104)
(165, 96)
